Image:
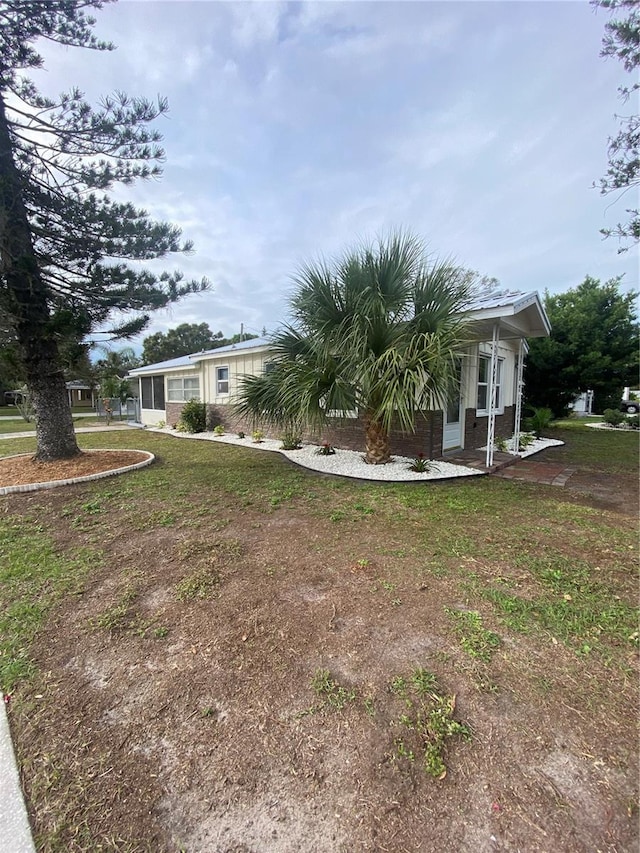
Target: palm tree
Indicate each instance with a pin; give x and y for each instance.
(381, 330)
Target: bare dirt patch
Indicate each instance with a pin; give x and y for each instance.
(25, 469)
(190, 723)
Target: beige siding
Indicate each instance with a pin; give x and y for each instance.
(240, 364)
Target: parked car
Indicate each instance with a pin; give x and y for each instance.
(631, 407)
(12, 397)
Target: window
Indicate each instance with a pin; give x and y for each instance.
(484, 375)
(183, 389)
(269, 366)
(152, 389)
(222, 380)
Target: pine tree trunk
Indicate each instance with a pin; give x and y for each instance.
(24, 300)
(378, 449)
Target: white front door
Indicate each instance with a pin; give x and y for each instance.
(452, 426)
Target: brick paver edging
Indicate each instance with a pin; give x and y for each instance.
(52, 484)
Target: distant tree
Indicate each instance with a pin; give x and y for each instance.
(184, 340)
(593, 345)
(622, 41)
(64, 243)
(379, 330)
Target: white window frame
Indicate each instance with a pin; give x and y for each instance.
(220, 382)
(499, 385)
(182, 395)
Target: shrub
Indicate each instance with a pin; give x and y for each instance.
(240, 434)
(540, 419)
(193, 417)
(257, 436)
(291, 441)
(613, 417)
(218, 430)
(502, 445)
(634, 421)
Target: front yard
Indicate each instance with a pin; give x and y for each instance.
(223, 653)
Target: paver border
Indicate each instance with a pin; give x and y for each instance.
(86, 478)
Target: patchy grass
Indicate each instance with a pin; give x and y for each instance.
(475, 639)
(34, 576)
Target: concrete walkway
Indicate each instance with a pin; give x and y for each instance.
(112, 428)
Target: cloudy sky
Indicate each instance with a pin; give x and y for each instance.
(296, 129)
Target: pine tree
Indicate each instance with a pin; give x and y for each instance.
(622, 41)
(64, 243)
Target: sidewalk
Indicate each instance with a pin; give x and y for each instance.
(116, 427)
(15, 833)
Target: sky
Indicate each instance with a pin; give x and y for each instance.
(296, 130)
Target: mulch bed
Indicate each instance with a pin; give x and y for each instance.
(25, 469)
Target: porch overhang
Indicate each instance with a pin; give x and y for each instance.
(520, 317)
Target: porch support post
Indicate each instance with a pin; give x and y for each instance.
(519, 386)
(492, 393)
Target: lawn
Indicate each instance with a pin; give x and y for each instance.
(223, 652)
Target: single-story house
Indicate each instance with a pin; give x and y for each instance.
(488, 405)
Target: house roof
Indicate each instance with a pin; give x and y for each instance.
(172, 364)
(191, 360)
(254, 343)
(517, 314)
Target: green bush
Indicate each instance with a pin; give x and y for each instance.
(634, 421)
(540, 419)
(193, 417)
(613, 417)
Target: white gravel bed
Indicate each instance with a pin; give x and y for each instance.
(536, 446)
(346, 463)
(620, 428)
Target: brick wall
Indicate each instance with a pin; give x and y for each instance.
(475, 428)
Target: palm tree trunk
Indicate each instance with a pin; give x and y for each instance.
(25, 303)
(378, 448)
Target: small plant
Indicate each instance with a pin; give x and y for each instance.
(257, 436)
(540, 419)
(161, 425)
(502, 445)
(325, 449)
(526, 440)
(428, 721)
(420, 464)
(218, 430)
(634, 421)
(241, 434)
(291, 441)
(332, 693)
(193, 417)
(613, 417)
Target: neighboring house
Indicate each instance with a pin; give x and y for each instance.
(81, 393)
(488, 404)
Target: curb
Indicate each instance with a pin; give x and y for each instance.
(15, 836)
